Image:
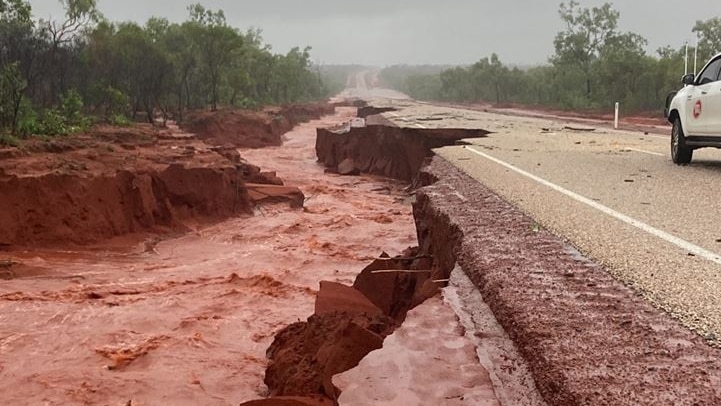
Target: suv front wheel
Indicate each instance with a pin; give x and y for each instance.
(681, 154)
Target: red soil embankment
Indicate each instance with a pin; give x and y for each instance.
(115, 181)
(252, 129)
(69, 208)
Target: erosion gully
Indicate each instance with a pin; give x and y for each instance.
(186, 318)
(371, 293)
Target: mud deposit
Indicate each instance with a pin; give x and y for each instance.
(188, 320)
(587, 339)
(386, 150)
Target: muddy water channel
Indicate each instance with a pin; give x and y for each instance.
(187, 320)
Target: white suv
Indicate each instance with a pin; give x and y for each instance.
(695, 112)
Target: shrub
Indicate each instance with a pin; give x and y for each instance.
(119, 120)
(28, 121)
(65, 119)
(71, 107)
(9, 140)
(117, 103)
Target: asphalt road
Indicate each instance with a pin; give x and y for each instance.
(614, 195)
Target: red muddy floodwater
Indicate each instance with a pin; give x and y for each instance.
(188, 321)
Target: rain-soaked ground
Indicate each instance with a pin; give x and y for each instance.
(187, 320)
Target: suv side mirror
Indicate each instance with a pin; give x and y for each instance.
(688, 79)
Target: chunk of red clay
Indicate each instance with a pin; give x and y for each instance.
(336, 297)
(396, 285)
(348, 324)
(262, 193)
(305, 355)
(252, 129)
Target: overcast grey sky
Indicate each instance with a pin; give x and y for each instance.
(377, 32)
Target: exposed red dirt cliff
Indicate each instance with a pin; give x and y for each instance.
(383, 149)
(115, 181)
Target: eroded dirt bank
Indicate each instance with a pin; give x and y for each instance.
(348, 323)
(588, 340)
(385, 150)
(187, 320)
(116, 181)
(252, 129)
(348, 320)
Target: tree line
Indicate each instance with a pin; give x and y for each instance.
(594, 66)
(54, 74)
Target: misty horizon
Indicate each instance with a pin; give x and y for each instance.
(414, 32)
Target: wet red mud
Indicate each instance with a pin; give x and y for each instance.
(186, 318)
(587, 339)
(348, 323)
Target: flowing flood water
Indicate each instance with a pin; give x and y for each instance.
(187, 320)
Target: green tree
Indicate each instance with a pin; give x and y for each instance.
(16, 30)
(12, 86)
(489, 79)
(709, 37)
(116, 70)
(456, 84)
(80, 15)
(621, 67)
(15, 10)
(587, 31)
(217, 42)
(183, 54)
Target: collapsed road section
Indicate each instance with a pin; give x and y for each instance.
(384, 149)
(185, 317)
(587, 339)
(220, 303)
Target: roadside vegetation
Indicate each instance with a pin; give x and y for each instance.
(594, 66)
(58, 77)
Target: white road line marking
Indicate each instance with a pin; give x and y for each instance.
(683, 244)
(645, 152)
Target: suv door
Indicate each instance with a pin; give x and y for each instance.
(703, 103)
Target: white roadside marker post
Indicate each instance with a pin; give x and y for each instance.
(615, 117)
